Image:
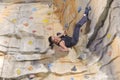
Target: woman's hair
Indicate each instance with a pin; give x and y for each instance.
(51, 43)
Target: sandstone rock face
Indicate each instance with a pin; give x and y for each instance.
(25, 27)
(103, 34)
(106, 36)
(24, 1)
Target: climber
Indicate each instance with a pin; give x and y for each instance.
(63, 40)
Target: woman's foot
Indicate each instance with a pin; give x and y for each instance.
(87, 9)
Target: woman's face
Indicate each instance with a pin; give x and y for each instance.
(55, 39)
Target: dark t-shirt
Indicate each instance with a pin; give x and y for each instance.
(67, 41)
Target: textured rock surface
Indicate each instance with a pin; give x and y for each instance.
(104, 32)
(25, 27)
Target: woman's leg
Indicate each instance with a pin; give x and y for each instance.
(76, 31)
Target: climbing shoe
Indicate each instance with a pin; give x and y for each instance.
(87, 9)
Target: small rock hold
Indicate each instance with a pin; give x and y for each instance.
(74, 68)
(71, 78)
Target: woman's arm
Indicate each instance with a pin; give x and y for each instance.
(61, 34)
(63, 47)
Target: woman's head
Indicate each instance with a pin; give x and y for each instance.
(52, 40)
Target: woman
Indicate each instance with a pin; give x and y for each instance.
(65, 41)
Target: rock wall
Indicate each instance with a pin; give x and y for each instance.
(103, 34)
(26, 25)
(24, 31)
(106, 37)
